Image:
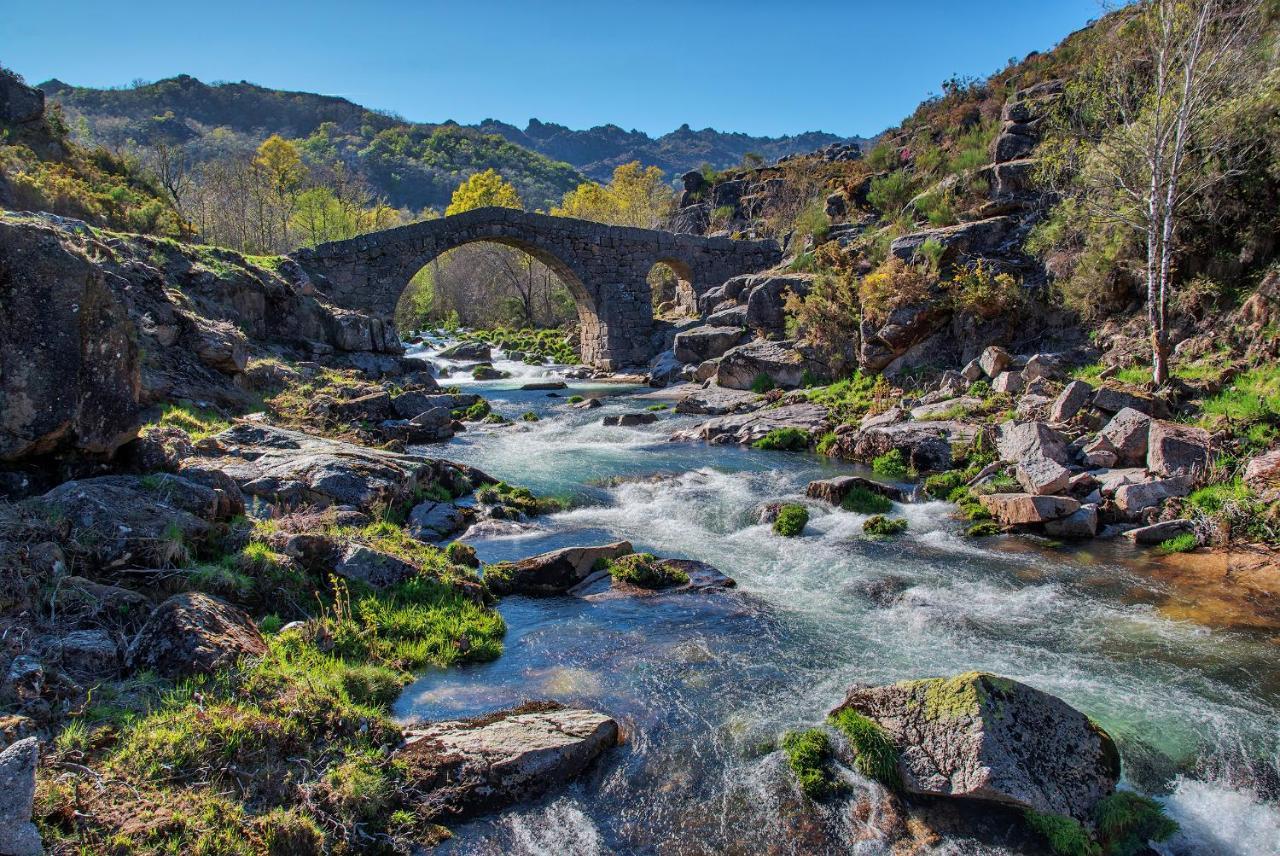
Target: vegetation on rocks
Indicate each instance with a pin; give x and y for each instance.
(809, 756)
(791, 520)
(863, 501)
(646, 571)
(874, 754)
(880, 526)
(783, 440)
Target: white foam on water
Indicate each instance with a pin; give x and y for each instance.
(1217, 820)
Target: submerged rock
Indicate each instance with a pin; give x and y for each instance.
(984, 737)
(551, 573)
(629, 420)
(468, 767)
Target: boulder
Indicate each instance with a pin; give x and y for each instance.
(746, 428)
(435, 521)
(784, 363)
(539, 385)
(731, 316)
(717, 401)
(373, 407)
(1068, 403)
(1082, 523)
(194, 633)
(700, 344)
(467, 352)
(1018, 440)
(994, 360)
(1111, 400)
(834, 490)
(551, 573)
(766, 302)
(1262, 473)
(939, 409)
(972, 370)
(1177, 450)
(629, 420)
(221, 346)
(1158, 533)
(18, 835)
(1042, 366)
(601, 585)
(925, 445)
(1017, 509)
(467, 767)
(1126, 434)
(407, 405)
(979, 237)
(230, 498)
(1010, 383)
(983, 737)
(88, 653)
(373, 567)
(1042, 476)
(1133, 499)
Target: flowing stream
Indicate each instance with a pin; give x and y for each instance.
(703, 684)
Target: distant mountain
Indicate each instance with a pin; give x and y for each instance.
(415, 165)
(597, 151)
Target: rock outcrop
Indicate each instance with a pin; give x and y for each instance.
(551, 573)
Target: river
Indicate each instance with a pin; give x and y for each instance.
(703, 684)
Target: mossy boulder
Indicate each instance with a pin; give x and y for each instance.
(984, 737)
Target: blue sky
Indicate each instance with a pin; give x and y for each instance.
(845, 66)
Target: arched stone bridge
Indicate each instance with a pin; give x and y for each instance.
(605, 268)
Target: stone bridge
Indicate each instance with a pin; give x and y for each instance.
(605, 268)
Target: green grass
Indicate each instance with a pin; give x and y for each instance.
(574, 399)
(196, 421)
(982, 529)
(874, 753)
(809, 757)
(1066, 836)
(762, 384)
(1127, 821)
(1253, 398)
(880, 526)
(863, 501)
(890, 465)
(1184, 543)
(942, 485)
(852, 398)
(783, 440)
(646, 571)
(529, 416)
(791, 520)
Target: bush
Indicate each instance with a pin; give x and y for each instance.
(884, 527)
(942, 485)
(978, 291)
(646, 571)
(892, 285)
(890, 193)
(863, 501)
(783, 440)
(809, 756)
(874, 753)
(890, 465)
(791, 520)
(762, 384)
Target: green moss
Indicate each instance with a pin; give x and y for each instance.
(1066, 836)
(657, 408)
(875, 756)
(952, 698)
(529, 416)
(942, 485)
(517, 499)
(884, 527)
(863, 501)
(783, 440)
(1127, 821)
(574, 399)
(791, 520)
(890, 465)
(809, 757)
(474, 413)
(646, 571)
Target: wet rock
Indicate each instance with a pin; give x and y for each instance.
(194, 633)
(1126, 434)
(1082, 523)
(373, 567)
(551, 573)
(702, 577)
(983, 737)
(467, 767)
(1158, 533)
(1068, 403)
(487, 372)
(1177, 450)
(1014, 509)
(834, 490)
(994, 360)
(629, 420)
(467, 352)
(705, 343)
(1018, 440)
(746, 428)
(18, 835)
(544, 385)
(435, 521)
(588, 404)
(1041, 476)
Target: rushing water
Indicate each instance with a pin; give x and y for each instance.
(704, 684)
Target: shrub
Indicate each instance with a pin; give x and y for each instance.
(791, 520)
(890, 465)
(874, 753)
(978, 291)
(813, 221)
(942, 485)
(646, 571)
(783, 440)
(529, 416)
(892, 285)
(889, 193)
(884, 527)
(863, 501)
(762, 384)
(809, 756)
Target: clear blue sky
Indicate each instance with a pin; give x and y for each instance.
(845, 66)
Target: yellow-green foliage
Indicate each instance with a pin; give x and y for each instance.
(791, 520)
(875, 756)
(892, 285)
(879, 526)
(646, 571)
(977, 290)
(809, 757)
(854, 397)
(196, 421)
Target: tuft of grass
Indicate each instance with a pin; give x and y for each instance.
(574, 399)
(198, 422)
(863, 501)
(1127, 821)
(529, 416)
(875, 756)
(880, 526)
(783, 440)
(942, 485)
(762, 384)
(1184, 543)
(1066, 835)
(646, 571)
(809, 757)
(983, 529)
(827, 443)
(791, 520)
(890, 465)
(852, 398)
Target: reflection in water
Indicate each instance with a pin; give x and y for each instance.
(704, 683)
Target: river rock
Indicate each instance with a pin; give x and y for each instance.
(979, 736)
(601, 585)
(538, 385)
(699, 344)
(1132, 499)
(629, 420)
(746, 428)
(467, 352)
(1018, 440)
(1082, 523)
(1074, 396)
(194, 633)
(784, 363)
(1014, 509)
(925, 445)
(834, 490)
(467, 767)
(1158, 533)
(1177, 450)
(717, 401)
(1041, 476)
(435, 521)
(18, 835)
(1262, 473)
(551, 573)
(373, 567)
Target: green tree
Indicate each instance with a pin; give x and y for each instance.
(483, 190)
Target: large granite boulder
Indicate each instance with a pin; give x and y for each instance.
(983, 737)
(1018, 440)
(1177, 450)
(746, 428)
(194, 633)
(373, 567)
(785, 364)
(467, 352)
(18, 835)
(834, 490)
(1126, 435)
(925, 445)
(699, 344)
(551, 573)
(468, 767)
(979, 237)
(1020, 509)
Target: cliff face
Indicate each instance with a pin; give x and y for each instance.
(95, 327)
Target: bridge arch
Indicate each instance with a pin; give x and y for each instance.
(604, 267)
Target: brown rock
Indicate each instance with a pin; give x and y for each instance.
(1177, 450)
(1013, 509)
(551, 573)
(1127, 433)
(194, 633)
